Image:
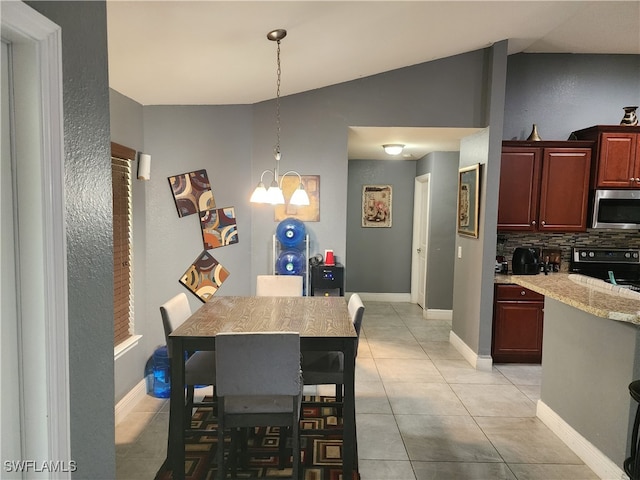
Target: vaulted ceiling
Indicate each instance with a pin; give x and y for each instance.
(216, 52)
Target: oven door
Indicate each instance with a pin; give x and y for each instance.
(616, 209)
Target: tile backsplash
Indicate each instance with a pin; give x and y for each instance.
(508, 241)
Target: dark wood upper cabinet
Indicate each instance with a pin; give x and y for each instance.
(544, 186)
(519, 188)
(617, 155)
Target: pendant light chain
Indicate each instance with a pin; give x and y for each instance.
(278, 73)
(274, 194)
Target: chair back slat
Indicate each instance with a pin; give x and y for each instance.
(174, 312)
(264, 363)
(356, 311)
(279, 286)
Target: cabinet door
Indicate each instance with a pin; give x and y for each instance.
(616, 161)
(564, 190)
(636, 172)
(517, 332)
(519, 189)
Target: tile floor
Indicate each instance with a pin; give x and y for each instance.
(423, 413)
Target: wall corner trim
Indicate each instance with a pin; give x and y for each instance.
(479, 362)
(130, 400)
(593, 458)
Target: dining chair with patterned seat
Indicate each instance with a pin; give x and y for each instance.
(258, 385)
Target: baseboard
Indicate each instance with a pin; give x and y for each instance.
(479, 362)
(384, 297)
(588, 453)
(130, 400)
(436, 314)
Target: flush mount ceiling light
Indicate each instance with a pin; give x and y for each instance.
(274, 194)
(393, 148)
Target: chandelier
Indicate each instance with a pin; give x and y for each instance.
(274, 194)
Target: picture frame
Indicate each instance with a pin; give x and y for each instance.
(304, 213)
(468, 200)
(376, 206)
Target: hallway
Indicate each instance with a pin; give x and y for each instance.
(441, 418)
(423, 413)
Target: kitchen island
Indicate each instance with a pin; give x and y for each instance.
(591, 352)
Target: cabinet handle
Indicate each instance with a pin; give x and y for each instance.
(543, 223)
(637, 179)
(523, 293)
(533, 223)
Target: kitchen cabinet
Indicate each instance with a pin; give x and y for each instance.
(617, 155)
(517, 325)
(544, 186)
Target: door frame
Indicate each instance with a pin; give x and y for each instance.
(37, 43)
(418, 207)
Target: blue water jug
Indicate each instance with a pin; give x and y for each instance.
(161, 373)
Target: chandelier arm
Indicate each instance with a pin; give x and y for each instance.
(262, 176)
(287, 173)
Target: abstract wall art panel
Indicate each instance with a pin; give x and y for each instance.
(218, 227)
(204, 276)
(192, 192)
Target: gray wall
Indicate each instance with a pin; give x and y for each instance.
(89, 243)
(127, 129)
(182, 139)
(588, 365)
(562, 93)
(379, 259)
(443, 167)
(442, 93)
(474, 271)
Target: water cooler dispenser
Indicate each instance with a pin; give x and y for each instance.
(327, 280)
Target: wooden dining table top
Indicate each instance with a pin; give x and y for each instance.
(310, 316)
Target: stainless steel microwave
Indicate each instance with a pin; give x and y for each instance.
(616, 209)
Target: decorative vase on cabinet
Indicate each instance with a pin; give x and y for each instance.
(630, 118)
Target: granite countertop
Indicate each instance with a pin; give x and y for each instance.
(584, 293)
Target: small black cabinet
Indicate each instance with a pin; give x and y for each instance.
(327, 280)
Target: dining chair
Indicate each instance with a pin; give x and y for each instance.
(326, 368)
(200, 367)
(258, 384)
(279, 286)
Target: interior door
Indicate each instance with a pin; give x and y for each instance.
(420, 240)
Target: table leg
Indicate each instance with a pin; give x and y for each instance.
(177, 415)
(349, 407)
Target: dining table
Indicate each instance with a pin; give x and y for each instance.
(324, 324)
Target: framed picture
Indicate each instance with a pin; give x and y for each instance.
(304, 213)
(376, 205)
(468, 198)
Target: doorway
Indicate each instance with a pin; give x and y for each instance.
(421, 206)
(33, 303)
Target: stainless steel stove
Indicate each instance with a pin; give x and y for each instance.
(619, 266)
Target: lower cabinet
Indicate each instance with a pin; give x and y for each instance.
(517, 325)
